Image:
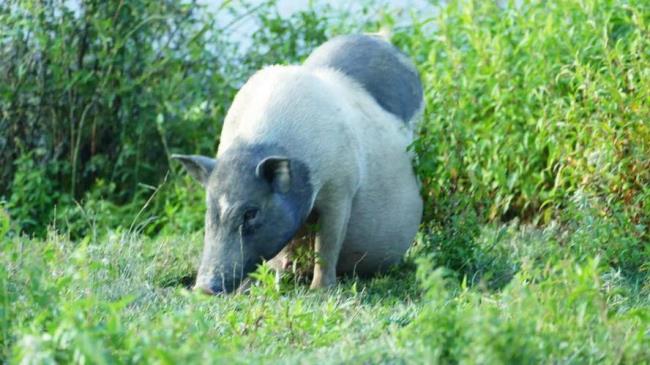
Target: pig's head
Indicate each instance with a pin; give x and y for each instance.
(256, 202)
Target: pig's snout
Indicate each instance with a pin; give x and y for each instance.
(208, 285)
(208, 288)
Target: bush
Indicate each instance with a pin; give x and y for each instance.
(31, 204)
(528, 104)
(104, 90)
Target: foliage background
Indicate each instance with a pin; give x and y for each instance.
(534, 153)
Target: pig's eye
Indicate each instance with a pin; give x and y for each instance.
(250, 215)
(249, 223)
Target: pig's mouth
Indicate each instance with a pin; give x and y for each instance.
(215, 288)
(238, 280)
(220, 283)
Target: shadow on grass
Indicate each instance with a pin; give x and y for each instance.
(185, 281)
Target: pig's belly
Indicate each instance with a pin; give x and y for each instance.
(384, 219)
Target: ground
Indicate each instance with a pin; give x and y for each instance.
(124, 298)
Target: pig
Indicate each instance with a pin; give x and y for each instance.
(324, 143)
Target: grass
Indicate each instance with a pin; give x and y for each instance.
(124, 298)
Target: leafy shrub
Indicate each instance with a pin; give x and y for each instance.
(451, 241)
(528, 104)
(105, 90)
(608, 232)
(34, 193)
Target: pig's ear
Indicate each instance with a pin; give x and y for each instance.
(199, 167)
(277, 171)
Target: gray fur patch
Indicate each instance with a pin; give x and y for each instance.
(380, 68)
(250, 215)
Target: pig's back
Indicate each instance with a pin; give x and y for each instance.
(378, 67)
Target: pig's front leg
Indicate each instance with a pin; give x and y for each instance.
(333, 224)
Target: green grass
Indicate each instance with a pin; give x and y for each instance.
(124, 299)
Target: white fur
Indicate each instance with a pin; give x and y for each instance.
(364, 186)
(224, 205)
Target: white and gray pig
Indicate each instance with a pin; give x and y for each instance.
(325, 140)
